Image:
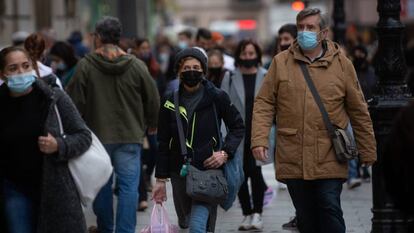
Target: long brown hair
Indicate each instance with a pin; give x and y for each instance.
(35, 45)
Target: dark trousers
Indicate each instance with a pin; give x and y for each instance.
(148, 159)
(184, 204)
(318, 205)
(142, 189)
(150, 155)
(258, 186)
(2, 214)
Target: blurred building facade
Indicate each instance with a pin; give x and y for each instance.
(259, 19)
(64, 16)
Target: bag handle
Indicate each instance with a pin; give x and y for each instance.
(317, 98)
(59, 119)
(179, 124)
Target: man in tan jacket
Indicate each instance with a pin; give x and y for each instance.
(305, 158)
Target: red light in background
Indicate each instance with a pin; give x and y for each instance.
(298, 5)
(246, 24)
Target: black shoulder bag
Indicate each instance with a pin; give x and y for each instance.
(209, 185)
(342, 140)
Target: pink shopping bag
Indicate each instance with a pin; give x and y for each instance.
(160, 223)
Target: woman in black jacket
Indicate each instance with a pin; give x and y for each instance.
(197, 98)
(38, 190)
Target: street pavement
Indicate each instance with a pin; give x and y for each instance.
(356, 204)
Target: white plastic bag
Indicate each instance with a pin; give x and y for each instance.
(160, 223)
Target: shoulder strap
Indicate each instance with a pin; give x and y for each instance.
(179, 124)
(317, 98)
(220, 143)
(59, 119)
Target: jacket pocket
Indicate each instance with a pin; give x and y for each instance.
(324, 147)
(287, 146)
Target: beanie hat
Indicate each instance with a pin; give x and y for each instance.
(195, 52)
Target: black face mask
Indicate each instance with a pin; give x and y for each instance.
(284, 47)
(191, 78)
(145, 57)
(249, 63)
(214, 71)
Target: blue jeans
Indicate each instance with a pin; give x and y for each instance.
(199, 217)
(352, 169)
(19, 209)
(318, 205)
(126, 161)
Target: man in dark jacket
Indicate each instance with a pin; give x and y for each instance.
(365, 72)
(119, 100)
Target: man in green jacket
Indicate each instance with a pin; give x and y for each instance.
(119, 101)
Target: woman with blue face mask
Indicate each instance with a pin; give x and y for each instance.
(64, 61)
(37, 189)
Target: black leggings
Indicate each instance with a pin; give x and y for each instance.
(258, 186)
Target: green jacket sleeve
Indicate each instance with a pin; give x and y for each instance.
(76, 88)
(150, 97)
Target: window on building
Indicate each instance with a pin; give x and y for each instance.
(70, 8)
(2, 8)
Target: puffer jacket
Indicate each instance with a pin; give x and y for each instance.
(304, 149)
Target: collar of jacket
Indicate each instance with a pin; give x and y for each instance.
(210, 93)
(48, 91)
(332, 50)
(110, 51)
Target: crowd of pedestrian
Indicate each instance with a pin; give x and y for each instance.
(136, 95)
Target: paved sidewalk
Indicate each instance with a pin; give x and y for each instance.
(356, 205)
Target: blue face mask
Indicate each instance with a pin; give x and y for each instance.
(61, 66)
(20, 83)
(307, 40)
(182, 44)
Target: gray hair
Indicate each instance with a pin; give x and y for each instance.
(323, 19)
(109, 30)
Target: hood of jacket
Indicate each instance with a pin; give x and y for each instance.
(113, 66)
(331, 48)
(211, 92)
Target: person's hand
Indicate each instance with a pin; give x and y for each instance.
(48, 145)
(216, 160)
(260, 153)
(159, 192)
(152, 130)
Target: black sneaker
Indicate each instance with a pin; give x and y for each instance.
(291, 225)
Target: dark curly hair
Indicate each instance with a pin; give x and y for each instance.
(242, 46)
(109, 30)
(65, 52)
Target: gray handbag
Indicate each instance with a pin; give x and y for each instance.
(342, 140)
(209, 185)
